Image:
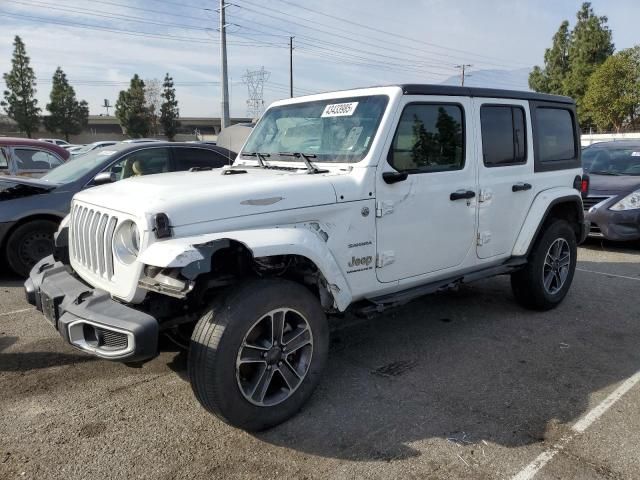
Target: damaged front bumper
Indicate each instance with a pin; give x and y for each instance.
(88, 318)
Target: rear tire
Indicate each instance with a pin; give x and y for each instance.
(30, 243)
(243, 372)
(547, 277)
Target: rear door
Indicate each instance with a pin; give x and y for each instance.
(505, 173)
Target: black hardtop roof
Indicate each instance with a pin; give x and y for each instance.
(451, 90)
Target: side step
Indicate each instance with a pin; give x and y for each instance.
(385, 302)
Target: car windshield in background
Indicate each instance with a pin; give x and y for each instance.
(77, 167)
(612, 160)
(335, 130)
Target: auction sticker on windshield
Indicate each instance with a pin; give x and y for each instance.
(339, 109)
(635, 154)
(107, 152)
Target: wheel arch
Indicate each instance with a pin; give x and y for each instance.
(23, 221)
(193, 255)
(561, 203)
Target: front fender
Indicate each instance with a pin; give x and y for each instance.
(541, 206)
(180, 252)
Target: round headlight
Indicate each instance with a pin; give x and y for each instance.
(126, 242)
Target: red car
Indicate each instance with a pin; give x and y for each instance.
(31, 158)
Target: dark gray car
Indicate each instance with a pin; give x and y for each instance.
(30, 209)
(613, 203)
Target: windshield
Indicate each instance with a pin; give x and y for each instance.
(77, 167)
(612, 160)
(335, 130)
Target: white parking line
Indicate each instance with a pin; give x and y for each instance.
(579, 427)
(608, 274)
(15, 311)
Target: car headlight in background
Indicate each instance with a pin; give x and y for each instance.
(126, 242)
(630, 202)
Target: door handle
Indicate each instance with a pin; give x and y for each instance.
(462, 195)
(521, 187)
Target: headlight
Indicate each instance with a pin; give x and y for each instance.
(126, 242)
(630, 202)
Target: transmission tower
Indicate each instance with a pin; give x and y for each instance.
(254, 80)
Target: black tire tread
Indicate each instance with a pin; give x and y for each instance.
(11, 247)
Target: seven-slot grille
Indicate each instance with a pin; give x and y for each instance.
(92, 239)
(591, 201)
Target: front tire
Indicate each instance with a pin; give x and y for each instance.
(257, 354)
(30, 243)
(547, 277)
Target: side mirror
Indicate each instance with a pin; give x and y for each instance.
(104, 177)
(394, 177)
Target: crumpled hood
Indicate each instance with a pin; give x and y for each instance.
(613, 184)
(20, 187)
(193, 197)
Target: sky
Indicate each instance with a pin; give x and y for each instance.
(100, 44)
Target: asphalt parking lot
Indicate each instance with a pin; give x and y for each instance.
(464, 384)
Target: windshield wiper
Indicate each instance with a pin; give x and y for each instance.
(311, 168)
(259, 156)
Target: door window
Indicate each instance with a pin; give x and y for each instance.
(503, 135)
(31, 159)
(142, 162)
(187, 158)
(429, 138)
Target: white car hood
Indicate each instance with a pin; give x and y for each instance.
(192, 197)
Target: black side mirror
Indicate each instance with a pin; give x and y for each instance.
(394, 177)
(104, 177)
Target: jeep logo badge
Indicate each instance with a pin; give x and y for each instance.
(360, 261)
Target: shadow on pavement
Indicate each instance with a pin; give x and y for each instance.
(468, 366)
(26, 361)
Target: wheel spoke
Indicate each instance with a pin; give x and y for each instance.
(565, 260)
(289, 374)
(548, 278)
(277, 327)
(556, 249)
(563, 274)
(299, 341)
(252, 354)
(262, 385)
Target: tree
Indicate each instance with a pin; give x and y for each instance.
(556, 64)
(573, 57)
(590, 46)
(152, 95)
(66, 114)
(132, 111)
(612, 98)
(169, 112)
(19, 101)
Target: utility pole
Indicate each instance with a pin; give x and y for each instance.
(463, 68)
(224, 111)
(291, 67)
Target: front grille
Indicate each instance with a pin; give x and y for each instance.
(591, 201)
(92, 239)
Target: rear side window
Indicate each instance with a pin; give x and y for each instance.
(429, 138)
(29, 159)
(556, 140)
(148, 161)
(4, 162)
(503, 135)
(187, 158)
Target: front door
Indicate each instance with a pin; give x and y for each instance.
(505, 174)
(426, 222)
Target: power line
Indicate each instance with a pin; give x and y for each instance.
(393, 34)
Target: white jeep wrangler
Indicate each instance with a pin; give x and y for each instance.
(359, 200)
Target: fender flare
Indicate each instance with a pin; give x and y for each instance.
(538, 213)
(180, 252)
